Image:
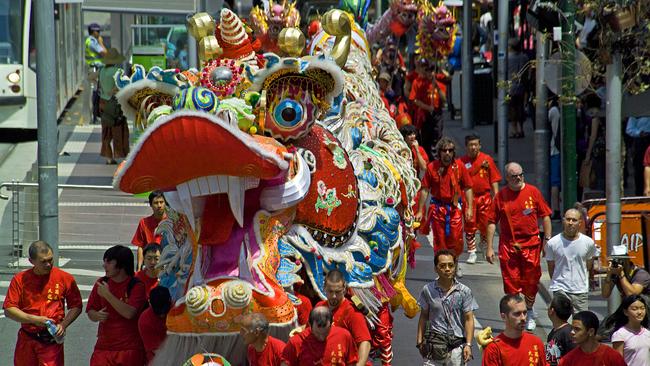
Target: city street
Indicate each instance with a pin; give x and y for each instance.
(92, 220)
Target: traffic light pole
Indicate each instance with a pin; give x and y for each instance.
(467, 65)
(502, 65)
(542, 130)
(569, 168)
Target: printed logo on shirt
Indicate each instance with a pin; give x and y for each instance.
(53, 295)
(533, 356)
(336, 356)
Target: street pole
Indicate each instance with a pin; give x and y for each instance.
(613, 164)
(568, 136)
(542, 129)
(48, 177)
(467, 65)
(502, 107)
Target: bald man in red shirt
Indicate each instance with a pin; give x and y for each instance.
(485, 184)
(517, 208)
(446, 179)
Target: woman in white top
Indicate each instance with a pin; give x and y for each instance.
(632, 339)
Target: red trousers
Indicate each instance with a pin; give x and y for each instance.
(481, 209)
(521, 270)
(447, 225)
(30, 352)
(382, 335)
(129, 357)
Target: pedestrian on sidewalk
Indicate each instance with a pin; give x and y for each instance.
(588, 351)
(569, 256)
(514, 346)
(346, 315)
(263, 349)
(485, 185)
(518, 208)
(146, 231)
(115, 129)
(559, 342)
(446, 179)
(446, 316)
(149, 274)
(629, 278)
(115, 302)
(632, 336)
(37, 299)
(555, 161)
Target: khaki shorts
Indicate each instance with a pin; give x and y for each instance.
(580, 302)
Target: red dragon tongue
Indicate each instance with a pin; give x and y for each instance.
(217, 221)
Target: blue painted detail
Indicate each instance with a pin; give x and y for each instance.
(369, 177)
(356, 137)
(288, 113)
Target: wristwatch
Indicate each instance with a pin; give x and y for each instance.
(547, 238)
(467, 345)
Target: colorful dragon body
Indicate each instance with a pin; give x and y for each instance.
(436, 32)
(267, 22)
(277, 171)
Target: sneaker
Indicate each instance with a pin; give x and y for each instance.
(459, 272)
(472, 257)
(531, 324)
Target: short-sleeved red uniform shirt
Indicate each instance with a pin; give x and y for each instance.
(303, 309)
(424, 156)
(304, 349)
(117, 332)
(603, 356)
(525, 208)
(144, 234)
(444, 182)
(348, 317)
(271, 355)
(482, 177)
(149, 282)
(153, 331)
(526, 350)
(44, 295)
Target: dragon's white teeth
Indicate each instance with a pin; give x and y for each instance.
(236, 194)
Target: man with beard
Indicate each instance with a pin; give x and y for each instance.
(514, 346)
(485, 185)
(446, 178)
(517, 209)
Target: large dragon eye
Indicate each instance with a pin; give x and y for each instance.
(288, 113)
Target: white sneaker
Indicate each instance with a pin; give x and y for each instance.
(472, 257)
(531, 324)
(459, 272)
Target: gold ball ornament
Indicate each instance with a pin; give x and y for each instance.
(201, 25)
(292, 41)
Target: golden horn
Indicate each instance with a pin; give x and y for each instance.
(201, 25)
(337, 23)
(209, 48)
(291, 41)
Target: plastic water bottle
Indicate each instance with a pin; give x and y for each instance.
(51, 327)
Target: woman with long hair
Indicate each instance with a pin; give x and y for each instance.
(632, 336)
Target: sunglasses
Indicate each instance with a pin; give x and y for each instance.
(521, 175)
(448, 150)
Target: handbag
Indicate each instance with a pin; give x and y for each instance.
(437, 346)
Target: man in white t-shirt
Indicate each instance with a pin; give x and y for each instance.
(569, 257)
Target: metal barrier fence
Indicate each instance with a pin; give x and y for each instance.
(91, 217)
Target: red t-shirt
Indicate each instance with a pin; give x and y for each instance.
(453, 180)
(527, 350)
(271, 355)
(424, 156)
(303, 309)
(144, 234)
(304, 349)
(152, 330)
(604, 356)
(149, 283)
(117, 332)
(45, 295)
(525, 207)
(348, 317)
(482, 177)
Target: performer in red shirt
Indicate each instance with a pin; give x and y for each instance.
(263, 350)
(36, 296)
(303, 309)
(115, 302)
(589, 351)
(514, 346)
(446, 178)
(149, 275)
(152, 323)
(322, 343)
(144, 234)
(485, 184)
(517, 209)
(345, 314)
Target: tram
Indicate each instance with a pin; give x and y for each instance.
(18, 60)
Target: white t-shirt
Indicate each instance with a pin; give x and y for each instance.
(636, 347)
(570, 257)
